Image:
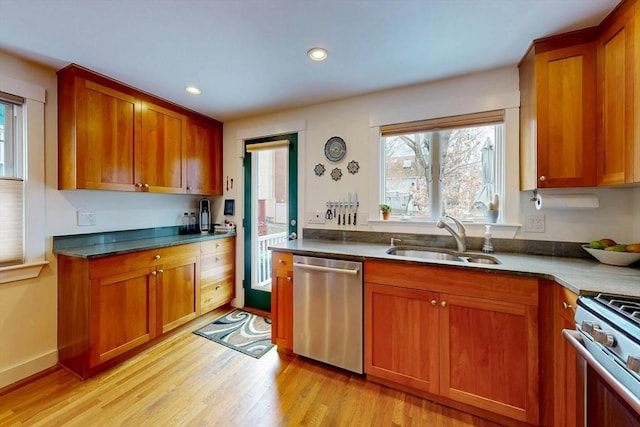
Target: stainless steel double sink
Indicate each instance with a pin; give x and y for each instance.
(441, 254)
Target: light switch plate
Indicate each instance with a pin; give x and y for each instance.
(534, 223)
(86, 218)
(315, 218)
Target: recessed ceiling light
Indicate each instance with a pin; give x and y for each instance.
(318, 54)
(193, 90)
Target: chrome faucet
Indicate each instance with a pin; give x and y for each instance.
(459, 236)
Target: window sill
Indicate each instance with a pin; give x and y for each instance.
(474, 229)
(14, 273)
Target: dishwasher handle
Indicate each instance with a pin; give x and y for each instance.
(325, 269)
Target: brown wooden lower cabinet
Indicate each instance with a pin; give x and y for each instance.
(468, 337)
(282, 301)
(111, 305)
(217, 273)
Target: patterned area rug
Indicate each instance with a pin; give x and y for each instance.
(241, 331)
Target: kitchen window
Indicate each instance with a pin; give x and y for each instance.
(11, 181)
(445, 166)
(22, 178)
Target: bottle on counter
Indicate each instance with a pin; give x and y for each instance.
(193, 223)
(488, 245)
(184, 229)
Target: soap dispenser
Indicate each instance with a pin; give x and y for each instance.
(488, 245)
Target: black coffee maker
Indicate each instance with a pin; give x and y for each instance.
(205, 215)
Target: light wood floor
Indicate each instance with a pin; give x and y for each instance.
(188, 380)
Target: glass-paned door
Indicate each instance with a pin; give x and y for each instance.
(270, 210)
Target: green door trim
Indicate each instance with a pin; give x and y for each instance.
(253, 298)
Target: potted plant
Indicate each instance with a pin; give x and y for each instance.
(386, 210)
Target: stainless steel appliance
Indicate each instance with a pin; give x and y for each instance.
(607, 339)
(327, 311)
(205, 215)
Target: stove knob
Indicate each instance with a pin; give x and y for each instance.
(604, 338)
(633, 363)
(589, 328)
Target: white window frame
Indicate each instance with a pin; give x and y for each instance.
(436, 193)
(34, 219)
(507, 173)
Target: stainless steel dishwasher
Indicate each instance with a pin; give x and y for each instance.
(327, 311)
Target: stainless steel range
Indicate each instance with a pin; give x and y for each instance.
(607, 336)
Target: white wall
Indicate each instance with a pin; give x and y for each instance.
(28, 308)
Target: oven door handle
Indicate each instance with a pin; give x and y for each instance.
(575, 340)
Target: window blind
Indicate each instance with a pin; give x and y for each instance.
(467, 120)
(12, 220)
(271, 145)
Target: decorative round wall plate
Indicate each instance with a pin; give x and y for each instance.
(353, 167)
(336, 174)
(335, 149)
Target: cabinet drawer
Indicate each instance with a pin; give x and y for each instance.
(217, 246)
(216, 293)
(566, 303)
(126, 262)
(282, 262)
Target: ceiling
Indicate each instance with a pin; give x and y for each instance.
(249, 56)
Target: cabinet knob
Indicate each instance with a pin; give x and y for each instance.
(543, 178)
(153, 273)
(443, 303)
(218, 287)
(161, 271)
(566, 306)
(188, 188)
(146, 185)
(434, 302)
(289, 278)
(281, 261)
(139, 184)
(157, 257)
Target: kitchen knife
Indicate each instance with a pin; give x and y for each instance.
(355, 209)
(349, 205)
(344, 212)
(339, 202)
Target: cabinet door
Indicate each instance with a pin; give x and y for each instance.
(566, 99)
(122, 313)
(401, 336)
(217, 278)
(160, 149)
(178, 292)
(616, 100)
(106, 123)
(204, 158)
(282, 301)
(489, 355)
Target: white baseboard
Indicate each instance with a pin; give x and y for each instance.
(23, 370)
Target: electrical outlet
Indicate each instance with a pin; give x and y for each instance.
(534, 223)
(315, 218)
(86, 218)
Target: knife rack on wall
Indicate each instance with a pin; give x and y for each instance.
(344, 210)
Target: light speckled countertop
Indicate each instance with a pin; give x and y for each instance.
(581, 276)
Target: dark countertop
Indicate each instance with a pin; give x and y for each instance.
(582, 276)
(121, 242)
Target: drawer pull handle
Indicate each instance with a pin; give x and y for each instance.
(157, 257)
(281, 261)
(566, 305)
(153, 273)
(434, 302)
(160, 271)
(443, 303)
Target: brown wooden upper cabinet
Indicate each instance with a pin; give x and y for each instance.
(618, 92)
(558, 112)
(114, 137)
